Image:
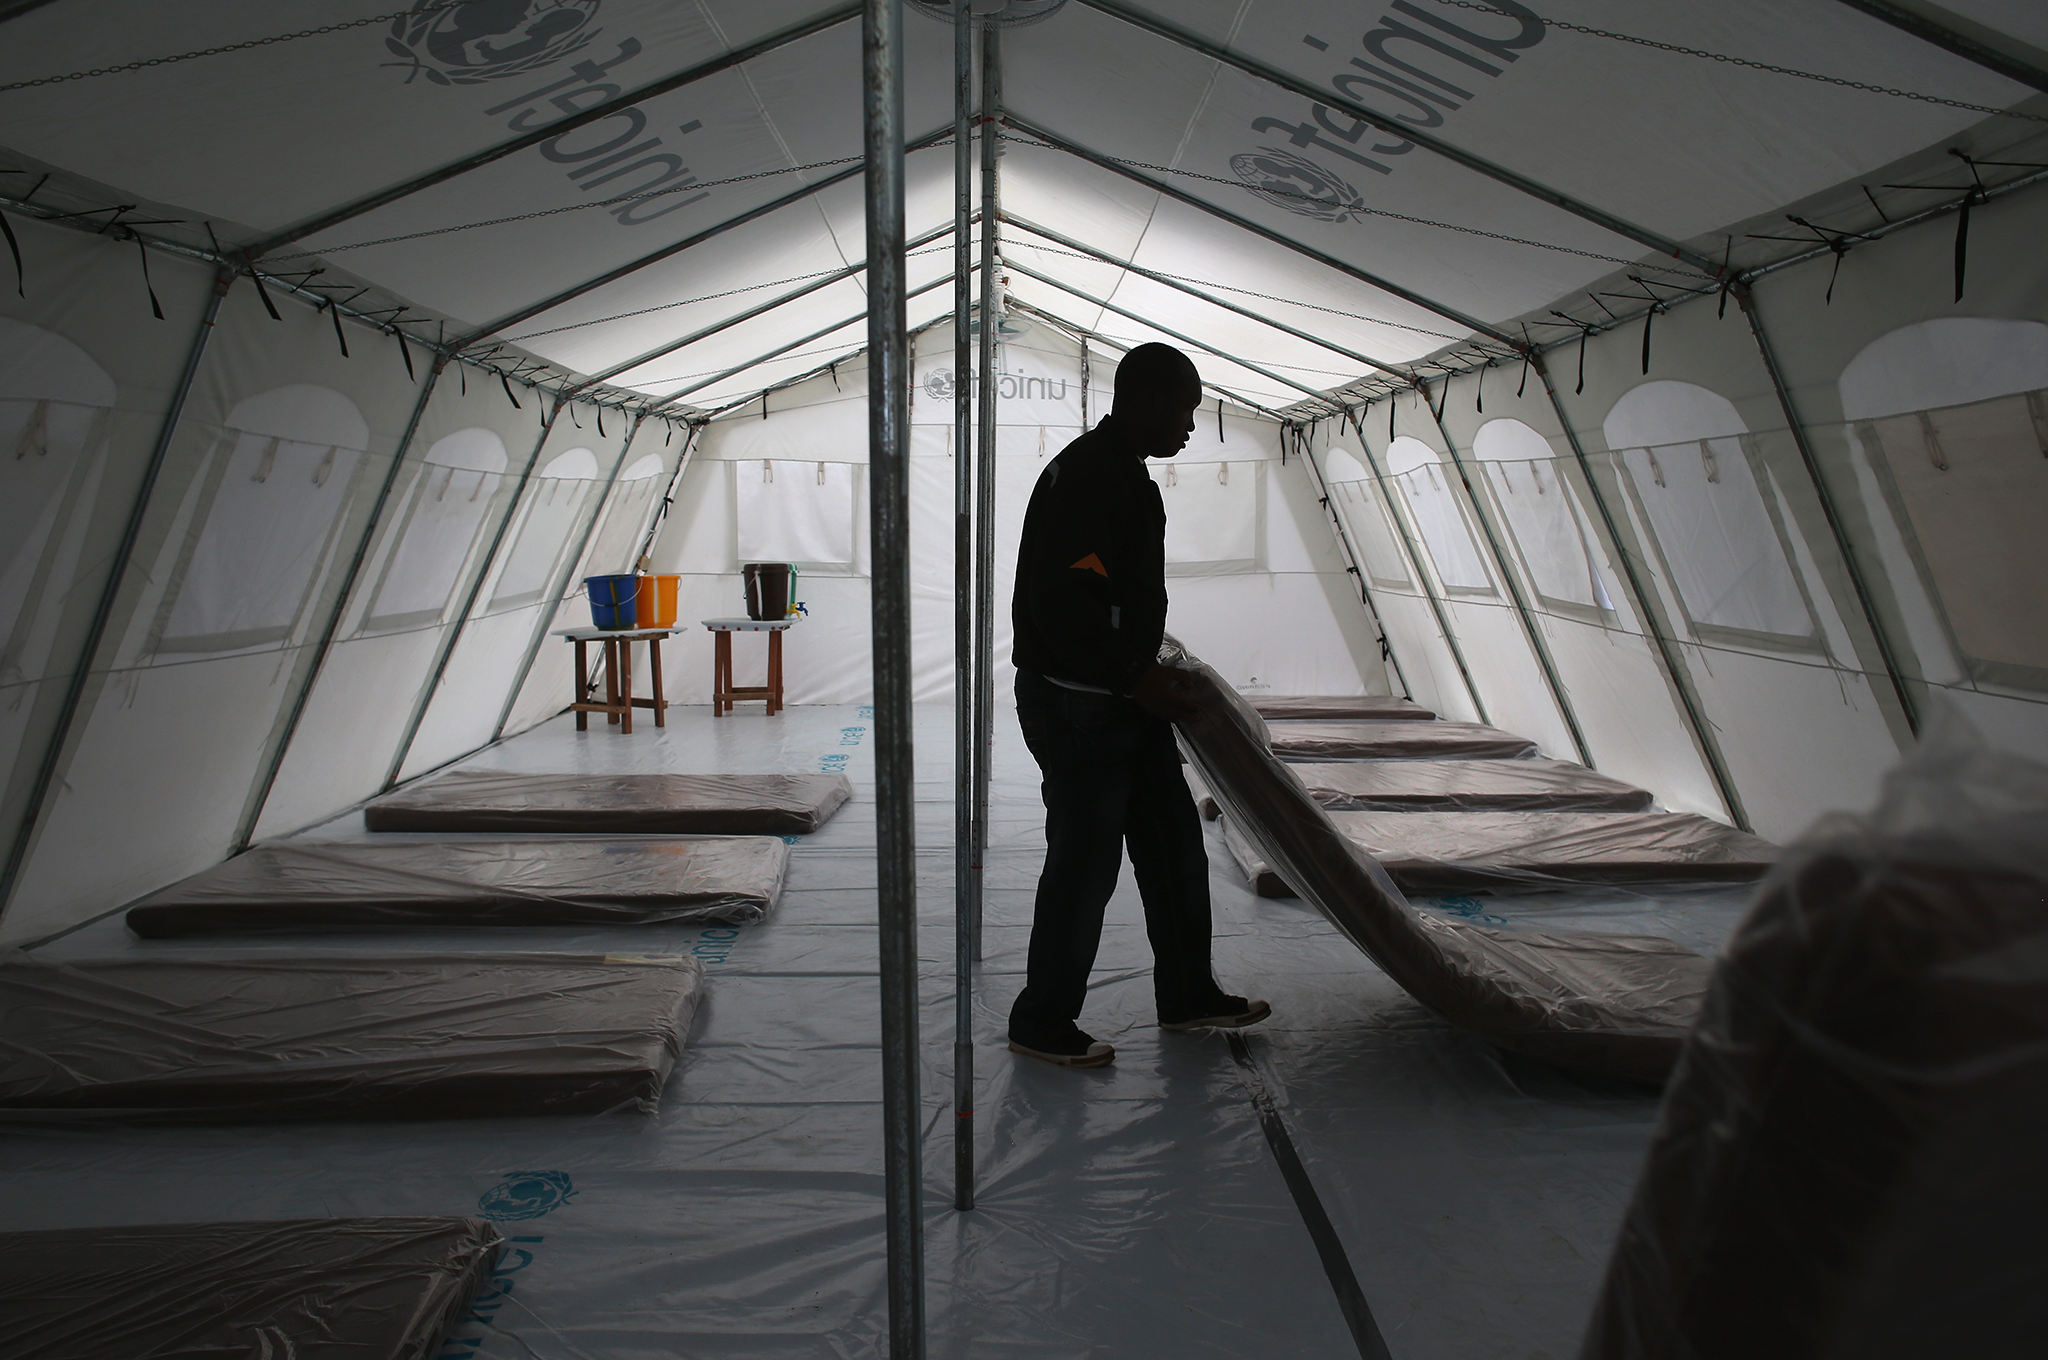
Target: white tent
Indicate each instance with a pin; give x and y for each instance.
(1664, 382)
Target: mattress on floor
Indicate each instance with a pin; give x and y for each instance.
(1611, 1004)
(306, 1289)
(1334, 740)
(1848, 1162)
(1380, 707)
(614, 804)
(1529, 785)
(1450, 851)
(387, 885)
(343, 1036)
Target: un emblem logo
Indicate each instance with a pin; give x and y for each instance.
(467, 44)
(938, 384)
(1296, 184)
(525, 1194)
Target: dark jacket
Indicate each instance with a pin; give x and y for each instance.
(1090, 605)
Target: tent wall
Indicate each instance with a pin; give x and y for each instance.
(264, 491)
(1278, 614)
(1702, 480)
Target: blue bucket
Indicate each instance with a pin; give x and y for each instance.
(611, 600)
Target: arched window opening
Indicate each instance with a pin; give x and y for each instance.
(1951, 417)
(1366, 517)
(1690, 463)
(1543, 514)
(554, 503)
(1425, 484)
(445, 507)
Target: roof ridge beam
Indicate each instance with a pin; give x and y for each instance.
(705, 333)
(1129, 315)
(1170, 282)
(1501, 174)
(1909, 20)
(781, 350)
(1447, 312)
(657, 256)
(1076, 329)
(725, 61)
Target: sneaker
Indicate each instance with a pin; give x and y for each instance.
(1230, 1012)
(1073, 1049)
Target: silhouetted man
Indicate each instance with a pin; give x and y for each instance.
(1097, 711)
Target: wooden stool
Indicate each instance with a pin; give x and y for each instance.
(618, 675)
(723, 691)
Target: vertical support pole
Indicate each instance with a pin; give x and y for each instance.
(281, 746)
(1436, 606)
(1843, 545)
(551, 603)
(964, 693)
(1537, 644)
(446, 651)
(103, 611)
(1654, 622)
(1344, 545)
(985, 461)
(895, 777)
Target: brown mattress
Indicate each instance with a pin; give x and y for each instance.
(1312, 741)
(1449, 851)
(307, 1289)
(1381, 707)
(1848, 1163)
(401, 1036)
(388, 885)
(614, 804)
(1612, 1004)
(1456, 785)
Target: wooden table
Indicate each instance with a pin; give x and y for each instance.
(618, 675)
(723, 691)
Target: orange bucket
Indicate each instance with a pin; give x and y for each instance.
(654, 606)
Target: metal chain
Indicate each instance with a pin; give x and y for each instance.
(1747, 64)
(231, 47)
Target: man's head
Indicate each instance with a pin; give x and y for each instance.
(1157, 391)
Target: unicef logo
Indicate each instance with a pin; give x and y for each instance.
(1297, 184)
(938, 384)
(525, 1194)
(467, 44)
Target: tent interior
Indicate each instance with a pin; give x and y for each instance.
(1664, 384)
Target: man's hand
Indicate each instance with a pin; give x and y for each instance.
(1167, 693)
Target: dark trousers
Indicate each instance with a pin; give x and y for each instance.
(1112, 783)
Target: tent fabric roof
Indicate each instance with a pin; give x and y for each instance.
(257, 142)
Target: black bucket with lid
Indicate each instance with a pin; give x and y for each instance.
(767, 590)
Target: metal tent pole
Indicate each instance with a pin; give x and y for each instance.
(963, 616)
(985, 465)
(1306, 448)
(1538, 645)
(895, 777)
(103, 610)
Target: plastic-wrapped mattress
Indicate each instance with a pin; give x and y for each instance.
(1379, 707)
(1848, 1163)
(1456, 785)
(306, 1289)
(1614, 1004)
(1333, 740)
(614, 804)
(387, 885)
(1448, 851)
(397, 1036)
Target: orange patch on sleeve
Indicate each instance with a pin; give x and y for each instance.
(1090, 563)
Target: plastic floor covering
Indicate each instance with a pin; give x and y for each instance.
(1136, 1210)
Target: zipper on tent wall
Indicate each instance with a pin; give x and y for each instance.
(446, 651)
(1306, 449)
(280, 746)
(103, 610)
(1908, 709)
(1537, 643)
(1414, 554)
(552, 606)
(1654, 622)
